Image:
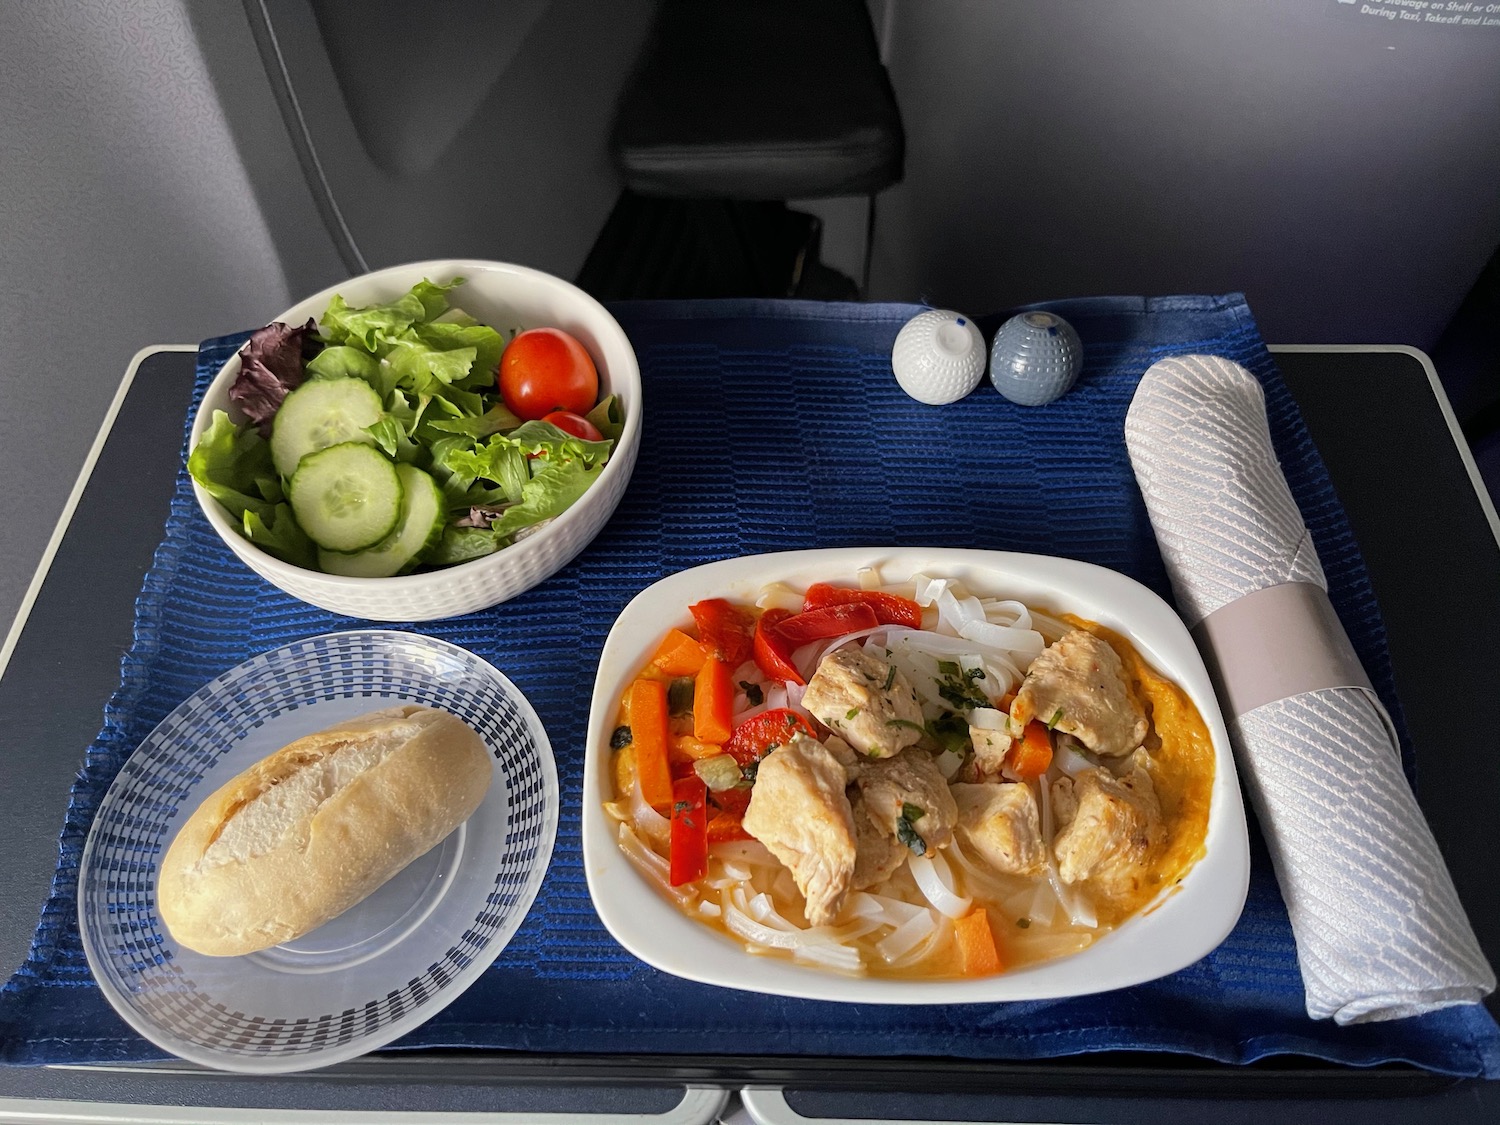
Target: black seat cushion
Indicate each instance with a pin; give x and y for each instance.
(760, 100)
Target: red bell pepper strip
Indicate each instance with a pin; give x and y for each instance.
(726, 815)
(728, 630)
(773, 655)
(829, 621)
(726, 827)
(890, 609)
(688, 852)
(753, 739)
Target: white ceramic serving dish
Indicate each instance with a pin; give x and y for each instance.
(1179, 929)
(384, 966)
(504, 297)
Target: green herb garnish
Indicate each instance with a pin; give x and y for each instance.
(912, 813)
(890, 678)
(680, 696)
(906, 723)
(957, 686)
(1056, 718)
(910, 837)
(753, 693)
(951, 732)
(849, 714)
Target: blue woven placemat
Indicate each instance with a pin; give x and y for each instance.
(774, 426)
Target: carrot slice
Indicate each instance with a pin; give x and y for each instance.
(679, 655)
(1031, 754)
(649, 736)
(713, 702)
(978, 955)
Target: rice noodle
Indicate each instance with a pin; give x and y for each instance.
(907, 935)
(1023, 944)
(1007, 611)
(883, 909)
(843, 958)
(1076, 903)
(746, 851)
(924, 949)
(936, 883)
(979, 880)
(778, 595)
(742, 925)
(868, 577)
(1049, 627)
(653, 866)
(1070, 761)
(949, 762)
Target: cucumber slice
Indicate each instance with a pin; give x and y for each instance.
(346, 497)
(423, 517)
(321, 413)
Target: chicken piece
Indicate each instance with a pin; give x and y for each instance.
(799, 811)
(878, 853)
(866, 701)
(1077, 686)
(909, 788)
(1109, 828)
(991, 741)
(1002, 824)
(844, 753)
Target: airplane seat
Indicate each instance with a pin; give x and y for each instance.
(736, 107)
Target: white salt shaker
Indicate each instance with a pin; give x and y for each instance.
(938, 356)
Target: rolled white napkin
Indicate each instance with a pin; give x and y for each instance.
(1380, 931)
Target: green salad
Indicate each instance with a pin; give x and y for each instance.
(376, 441)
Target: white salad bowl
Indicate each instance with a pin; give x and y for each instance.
(1184, 924)
(505, 297)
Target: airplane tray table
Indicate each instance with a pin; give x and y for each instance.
(80, 623)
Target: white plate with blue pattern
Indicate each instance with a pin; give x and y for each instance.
(383, 967)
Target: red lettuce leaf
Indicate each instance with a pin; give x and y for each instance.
(480, 516)
(272, 364)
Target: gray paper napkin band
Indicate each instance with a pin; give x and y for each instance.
(1282, 641)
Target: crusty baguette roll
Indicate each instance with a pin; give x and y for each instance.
(304, 834)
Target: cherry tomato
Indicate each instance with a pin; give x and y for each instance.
(545, 369)
(575, 424)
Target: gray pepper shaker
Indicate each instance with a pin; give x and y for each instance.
(1036, 358)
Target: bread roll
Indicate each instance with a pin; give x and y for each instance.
(311, 830)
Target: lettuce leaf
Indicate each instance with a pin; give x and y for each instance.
(608, 417)
(341, 361)
(233, 464)
(281, 535)
(376, 328)
(547, 494)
